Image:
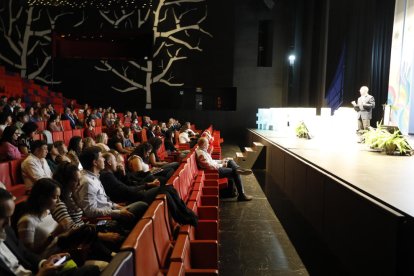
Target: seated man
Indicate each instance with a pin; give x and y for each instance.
(15, 259)
(121, 192)
(225, 168)
(91, 196)
(35, 165)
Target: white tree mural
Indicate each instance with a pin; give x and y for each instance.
(177, 32)
(26, 45)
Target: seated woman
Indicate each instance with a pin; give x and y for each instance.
(29, 130)
(155, 161)
(88, 142)
(117, 142)
(63, 150)
(37, 229)
(169, 145)
(137, 163)
(102, 141)
(8, 144)
(54, 123)
(74, 150)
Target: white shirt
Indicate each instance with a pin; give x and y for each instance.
(205, 161)
(91, 197)
(33, 169)
(183, 138)
(35, 231)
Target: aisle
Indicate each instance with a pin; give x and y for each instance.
(252, 240)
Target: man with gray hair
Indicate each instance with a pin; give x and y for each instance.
(364, 108)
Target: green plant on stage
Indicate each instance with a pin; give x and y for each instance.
(380, 138)
(302, 131)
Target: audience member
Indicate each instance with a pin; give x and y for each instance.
(5, 121)
(54, 123)
(26, 139)
(102, 141)
(74, 150)
(119, 191)
(117, 142)
(155, 161)
(9, 107)
(89, 131)
(35, 165)
(53, 157)
(63, 150)
(226, 168)
(21, 119)
(138, 163)
(8, 144)
(37, 229)
(91, 196)
(88, 142)
(15, 259)
(69, 116)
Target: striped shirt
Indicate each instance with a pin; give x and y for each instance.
(68, 214)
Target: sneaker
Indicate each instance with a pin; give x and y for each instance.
(244, 197)
(244, 171)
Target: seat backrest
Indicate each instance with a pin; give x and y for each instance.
(67, 135)
(185, 182)
(121, 264)
(77, 132)
(16, 171)
(144, 137)
(162, 233)
(141, 242)
(5, 175)
(57, 136)
(41, 125)
(66, 125)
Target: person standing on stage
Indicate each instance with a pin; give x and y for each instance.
(364, 108)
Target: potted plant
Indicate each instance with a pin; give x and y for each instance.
(381, 138)
(302, 131)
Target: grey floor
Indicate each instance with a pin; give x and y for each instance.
(252, 239)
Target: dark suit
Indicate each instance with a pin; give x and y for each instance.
(364, 108)
(26, 258)
(70, 118)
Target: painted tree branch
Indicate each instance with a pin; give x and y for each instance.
(117, 20)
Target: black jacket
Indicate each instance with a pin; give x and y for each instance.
(26, 258)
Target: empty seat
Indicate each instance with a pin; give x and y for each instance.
(199, 255)
(141, 242)
(122, 264)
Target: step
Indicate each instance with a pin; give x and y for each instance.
(258, 144)
(240, 155)
(248, 149)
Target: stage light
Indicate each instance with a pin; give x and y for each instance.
(292, 59)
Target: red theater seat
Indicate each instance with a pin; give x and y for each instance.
(141, 242)
(200, 256)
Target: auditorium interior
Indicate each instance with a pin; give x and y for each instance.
(270, 84)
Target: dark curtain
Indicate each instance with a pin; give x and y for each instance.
(381, 53)
(368, 43)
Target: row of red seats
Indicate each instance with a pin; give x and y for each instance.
(152, 249)
(13, 85)
(11, 176)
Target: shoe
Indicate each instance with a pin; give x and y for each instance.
(244, 171)
(244, 197)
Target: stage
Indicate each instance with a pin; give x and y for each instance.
(360, 202)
